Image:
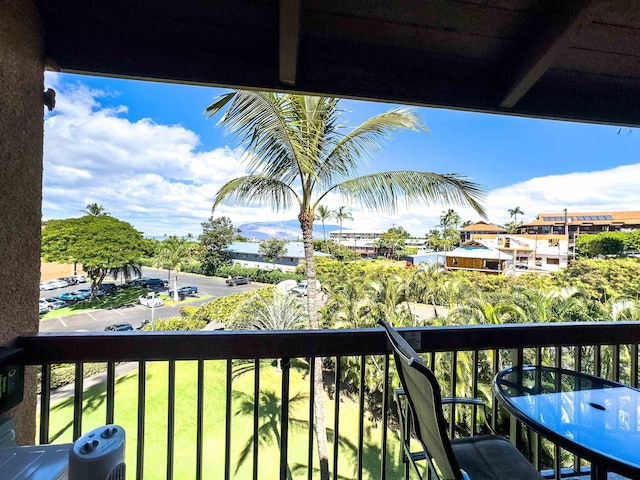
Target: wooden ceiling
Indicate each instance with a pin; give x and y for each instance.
(563, 59)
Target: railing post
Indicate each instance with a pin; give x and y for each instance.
(515, 427)
(284, 416)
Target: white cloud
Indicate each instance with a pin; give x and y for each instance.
(148, 174)
(159, 179)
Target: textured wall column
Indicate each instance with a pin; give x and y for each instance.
(21, 139)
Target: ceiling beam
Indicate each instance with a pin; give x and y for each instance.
(568, 20)
(289, 40)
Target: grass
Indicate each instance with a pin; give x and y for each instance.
(155, 431)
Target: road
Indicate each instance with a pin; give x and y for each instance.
(97, 320)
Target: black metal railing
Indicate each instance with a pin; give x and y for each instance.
(464, 358)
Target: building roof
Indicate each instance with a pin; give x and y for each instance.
(539, 58)
(483, 227)
(476, 249)
(587, 218)
(294, 249)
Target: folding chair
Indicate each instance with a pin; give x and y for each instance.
(481, 457)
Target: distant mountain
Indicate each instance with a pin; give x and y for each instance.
(285, 230)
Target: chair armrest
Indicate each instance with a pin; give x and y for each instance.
(464, 400)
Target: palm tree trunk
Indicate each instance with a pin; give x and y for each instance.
(176, 297)
(324, 232)
(306, 224)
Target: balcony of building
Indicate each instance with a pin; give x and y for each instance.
(186, 396)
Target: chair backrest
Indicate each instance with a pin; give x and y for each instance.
(423, 395)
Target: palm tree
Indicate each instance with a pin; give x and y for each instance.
(298, 153)
(514, 212)
(449, 222)
(323, 214)
(341, 215)
(449, 219)
(95, 210)
(172, 254)
(127, 271)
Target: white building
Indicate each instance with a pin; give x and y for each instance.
(542, 253)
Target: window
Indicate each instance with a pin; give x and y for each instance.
(554, 242)
(553, 261)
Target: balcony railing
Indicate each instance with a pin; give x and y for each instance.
(194, 439)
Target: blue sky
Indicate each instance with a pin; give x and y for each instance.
(146, 153)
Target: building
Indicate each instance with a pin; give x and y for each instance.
(577, 223)
(478, 256)
(479, 228)
(345, 236)
(246, 254)
(539, 253)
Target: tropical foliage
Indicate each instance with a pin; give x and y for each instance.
(100, 243)
(298, 152)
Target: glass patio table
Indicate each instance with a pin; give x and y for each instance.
(594, 418)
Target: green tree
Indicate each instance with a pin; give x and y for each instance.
(217, 234)
(391, 241)
(272, 249)
(94, 209)
(449, 222)
(173, 253)
(299, 153)
(323, 214)
(513, 213)
(606, 243)
(99, 243)
(341, 215)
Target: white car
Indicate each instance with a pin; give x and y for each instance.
(44, 306)
(150, 301)
(48, 285)
(301, 288)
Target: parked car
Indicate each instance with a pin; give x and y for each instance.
(150, 301)
(74, 296)
(138, 282)
(154, 283)
(60, 283)
(119, 327)
(108, 287)
(48, 285)
(232, 282)
(79, 278)
(187, 290)
(44, 307)
(68, 280)
(57, 304)
(301, 289)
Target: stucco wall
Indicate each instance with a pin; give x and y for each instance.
(21, 139)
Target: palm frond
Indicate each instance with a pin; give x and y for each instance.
(364, 141)
(380, 192)
(257, 189)
(266, 125)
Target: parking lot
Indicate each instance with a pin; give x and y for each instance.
(97, 320)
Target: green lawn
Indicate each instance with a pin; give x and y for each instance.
(214, 423)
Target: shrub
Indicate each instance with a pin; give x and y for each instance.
(65, 373)
(176, 324)
(187, 311)
(223, 309)
(257, 274)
